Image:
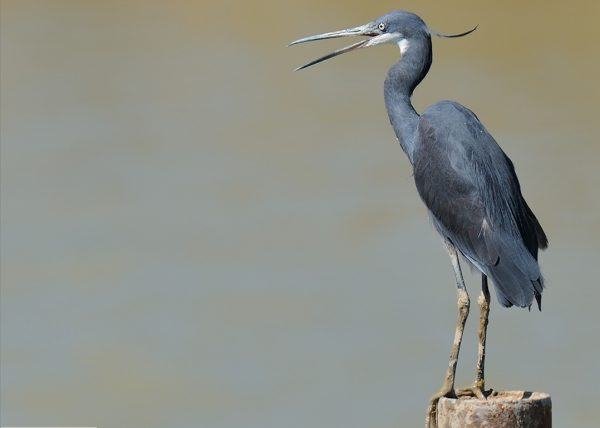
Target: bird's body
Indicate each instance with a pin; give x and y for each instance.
(464, 178)
(482, 211)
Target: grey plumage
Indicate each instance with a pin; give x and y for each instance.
(466, 181)
(474, 197)
(464, 178)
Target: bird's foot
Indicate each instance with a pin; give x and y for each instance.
(431, 417)
(476, 390)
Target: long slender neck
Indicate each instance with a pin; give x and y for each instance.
(402, 78)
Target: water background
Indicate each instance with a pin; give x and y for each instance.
(194, 235)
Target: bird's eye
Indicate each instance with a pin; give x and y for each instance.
(381, 26)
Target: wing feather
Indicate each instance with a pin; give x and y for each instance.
(473, 194)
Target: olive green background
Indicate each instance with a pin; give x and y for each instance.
(194, 235)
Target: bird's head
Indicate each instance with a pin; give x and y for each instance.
(398, 27)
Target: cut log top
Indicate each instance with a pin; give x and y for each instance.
(507, 409)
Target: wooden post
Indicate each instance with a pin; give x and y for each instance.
(508, 409)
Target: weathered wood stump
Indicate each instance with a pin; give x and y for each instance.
(508, 409)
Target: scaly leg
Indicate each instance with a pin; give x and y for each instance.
(447, 389)
(478, 388)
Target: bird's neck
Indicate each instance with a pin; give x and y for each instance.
(402, 78)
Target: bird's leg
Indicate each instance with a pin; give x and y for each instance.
(478, 388)
(484, 308)
(447, 389)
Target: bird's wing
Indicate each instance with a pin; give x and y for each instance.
(473, 194)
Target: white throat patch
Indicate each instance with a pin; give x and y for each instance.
(403, 45)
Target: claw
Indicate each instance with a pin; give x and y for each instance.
(475, 391)
(431, 417)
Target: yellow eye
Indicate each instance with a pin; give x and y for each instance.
(381, 26)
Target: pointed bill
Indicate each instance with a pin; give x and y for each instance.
(362, 30)
(352, 47)
(376, 37)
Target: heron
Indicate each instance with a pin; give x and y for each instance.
(465, 180)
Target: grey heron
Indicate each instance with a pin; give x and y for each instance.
(466, 181)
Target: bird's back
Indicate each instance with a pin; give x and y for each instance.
(474, 197)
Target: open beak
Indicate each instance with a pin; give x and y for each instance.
(370, 30)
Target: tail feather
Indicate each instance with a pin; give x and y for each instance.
(516, 276)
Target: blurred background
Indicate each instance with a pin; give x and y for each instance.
(194, 235)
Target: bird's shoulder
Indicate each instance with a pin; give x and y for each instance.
(448, 122)
(448, 109)
(451, 137)
(453, 145)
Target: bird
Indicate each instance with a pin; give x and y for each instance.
(466, 181)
